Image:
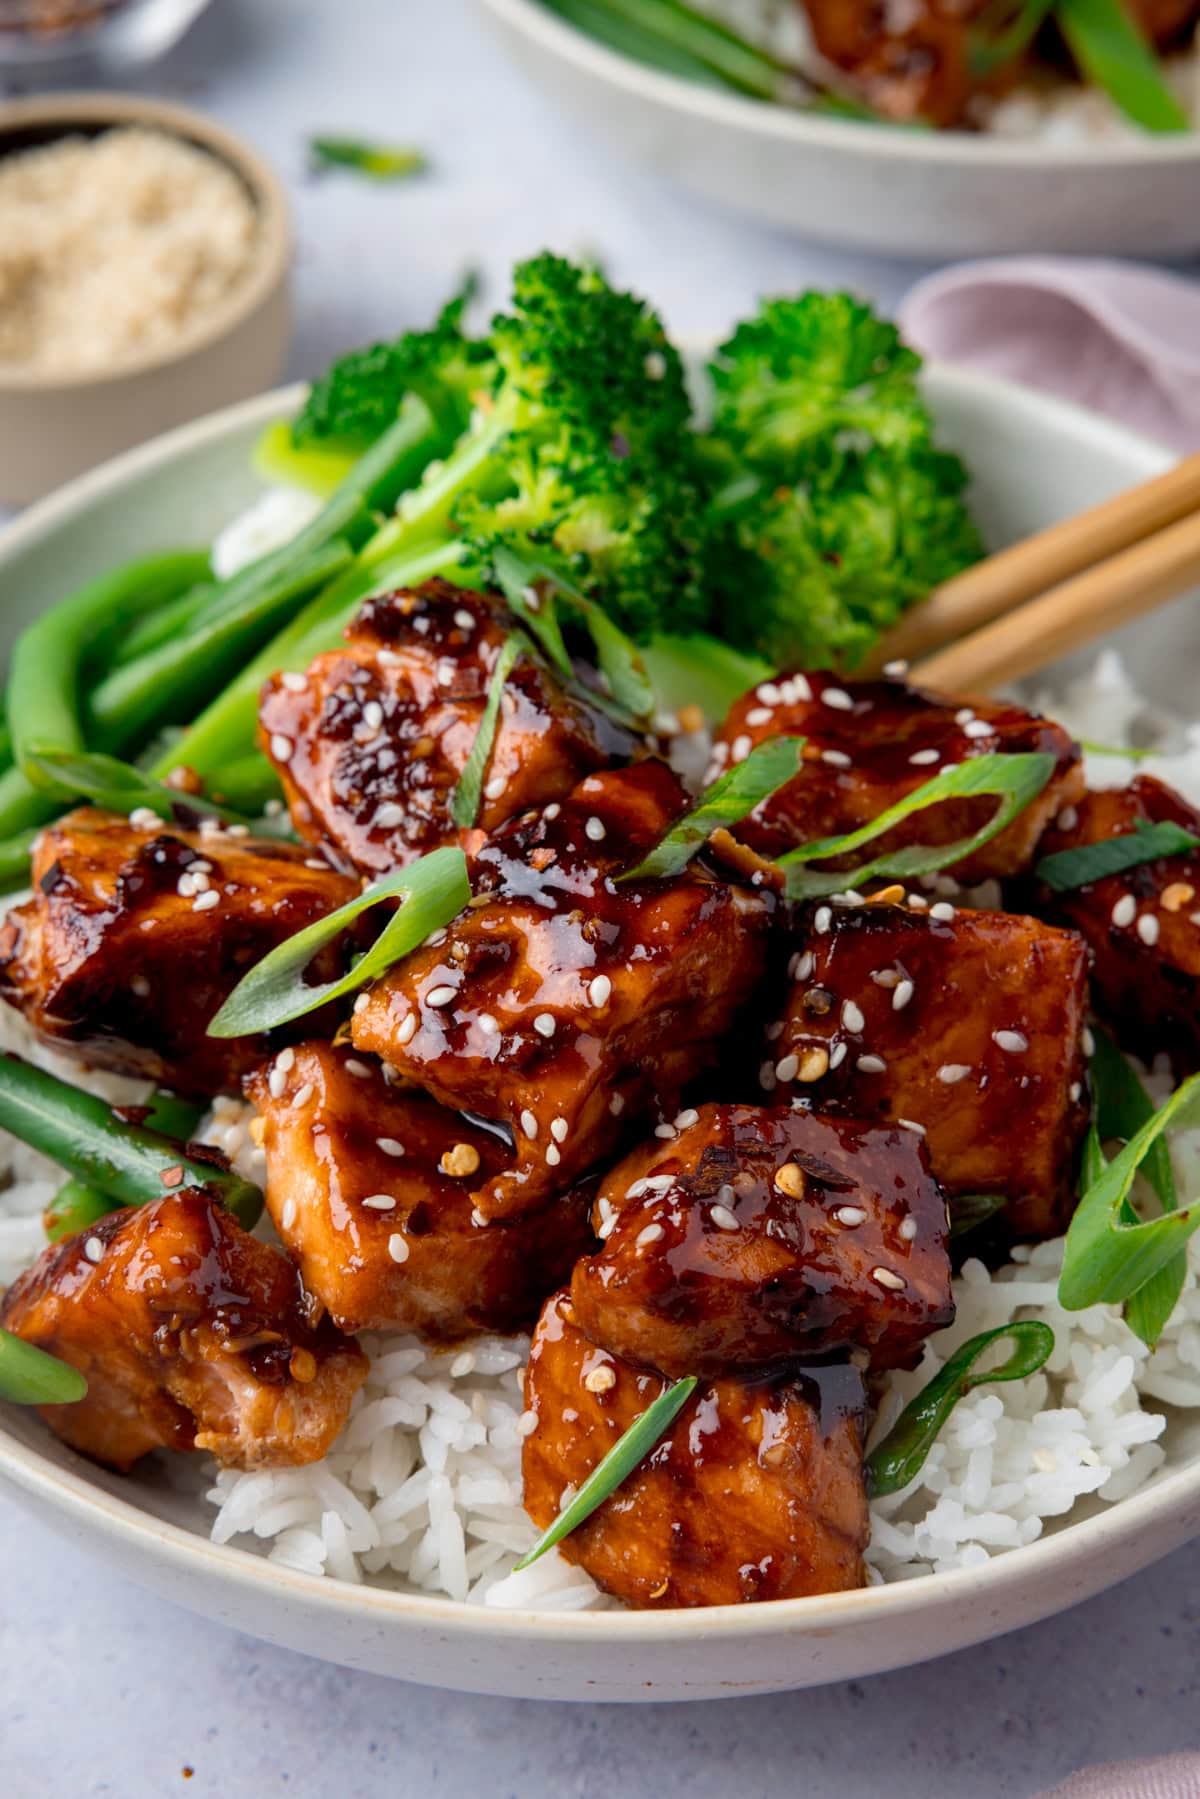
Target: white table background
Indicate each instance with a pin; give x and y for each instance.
(103, 1691)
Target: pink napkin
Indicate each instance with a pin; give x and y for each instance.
(1167, 1777)
(1122, 339)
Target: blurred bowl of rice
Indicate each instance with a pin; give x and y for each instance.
(144, 262)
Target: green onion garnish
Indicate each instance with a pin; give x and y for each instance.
(1015, 780)
(1116, 749)
(1090, 862)
(738, 791)
(1122, 1106)
(432, 891)
(617, 656)
(1112, 52)
(1109, 1253)
(969, 1210)
(382, 162)
(468, 791)
(28, 1376)
(899, 1457)
(117, 786)
(629, 1449)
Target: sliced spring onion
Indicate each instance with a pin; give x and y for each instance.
(382, 162)
(1112, 52)
(990, 48)
(969, 1210)
(431, 892)
(1015, 780)
(28, 1376)
(468, 790)
(700, 670)
(1089, 862)
(1116, 749)
(738, 791)
(899, 1457)
(617, 656)
(515, 576)
(1122, 1107)
(117, 786)
(1108, 1256)
(629, 1449)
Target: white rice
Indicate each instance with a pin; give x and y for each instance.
(423, 1489)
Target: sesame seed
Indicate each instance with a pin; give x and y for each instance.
(759, 715)
(388, 815)
(600, 990)
(143, 818)
(916, 902)
(1087, 1042)
(837, 1055)
(896, 671)
(529, 1124)
(303, 1094)
(464, 620)
(553, 1157)
(823, 919)
(495, 788)
(850, 1216)
(361, 1003)
(813, 1064)
(1125, 911)
(390, 1146)
(952, 1072)
(408, 1029)
(594, 829)
(1178, 895)
(651, 1234)
(910, 1124)
(978, 727)
(602, 1379)
(558, 1129)
(616, 1104)
(488, 1025)
(884, 1277)
(552, 811)
(93, 1249)
(635, 1189)
(1067, 819)
(964, 715)
(852, 1016)
(768, 693)
(397, 1247)
(1147, 929)
(686, 1119)
(373, 715)
(903, 992)
(281, 747)
(871, 1065)
(803, 966)
(766, 1077)
(140, 985)
(204, 902)
(741, 748)
(923, 758)
(276, 1082)
(287, 1217)
(838, 698)
(836, 758)
(380, 1202)
(723, 1218)
(1013, 1043)
(908, 1229)
(294, 682)
(943, 912)
(358, 1069)
(665, 1131)
(545, 1024)
(1075, 1092)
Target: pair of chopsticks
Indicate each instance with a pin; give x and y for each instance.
(1013, 613)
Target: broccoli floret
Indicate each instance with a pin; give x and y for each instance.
(813, 573)
(356, 399)
(582, 453)
(807, 375)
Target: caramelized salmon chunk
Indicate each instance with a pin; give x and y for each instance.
(191, 1334)
(868, 744)
(755, 1492)
(138, 932)
(565, 1003)
(1142, 925)
(370, 1190)
(370, 742)
(965, 1027)
(757, 1236)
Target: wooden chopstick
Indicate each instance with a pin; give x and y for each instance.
(1135, 581)
(1007, 580)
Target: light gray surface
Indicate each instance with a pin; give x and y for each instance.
(105, 1692)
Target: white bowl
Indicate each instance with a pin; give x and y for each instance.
(872, 187)
(1034, 460)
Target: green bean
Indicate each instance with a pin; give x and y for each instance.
(76, 1205)
(247, 785)
(47, 660)
(129, 1163)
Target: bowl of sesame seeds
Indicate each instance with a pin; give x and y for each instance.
(144, 258)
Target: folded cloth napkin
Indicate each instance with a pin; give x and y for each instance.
(1122, 339)
(1166, 1777)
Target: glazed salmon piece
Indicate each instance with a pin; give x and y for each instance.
(137, 933)
(371, 740)
(191, 1334)
(1142, 926)
(370, 1189)
(564, 1003)
(758, 1236)
(755, 1492)
(966, 1027)
(871, 743)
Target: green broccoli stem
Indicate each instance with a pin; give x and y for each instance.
(223, 736)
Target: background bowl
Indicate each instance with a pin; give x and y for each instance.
(54, 427)
(871, 187)
(1033, 460)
